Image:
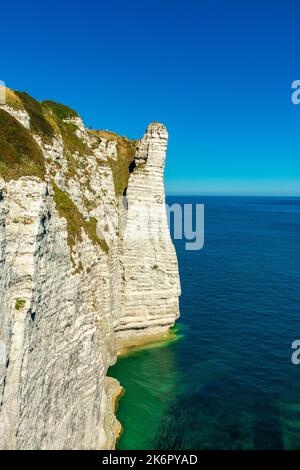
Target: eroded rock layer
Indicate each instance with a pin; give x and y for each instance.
(83, 271)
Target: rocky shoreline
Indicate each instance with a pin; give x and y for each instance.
(113, 428)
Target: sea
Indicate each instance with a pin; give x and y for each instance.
(226, 380)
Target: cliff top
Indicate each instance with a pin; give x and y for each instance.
(20, 154)
(48, 140)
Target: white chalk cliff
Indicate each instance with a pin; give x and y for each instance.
(83, 274)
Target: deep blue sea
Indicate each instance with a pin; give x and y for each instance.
(228, 381)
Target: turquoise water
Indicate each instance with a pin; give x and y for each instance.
(228, 381)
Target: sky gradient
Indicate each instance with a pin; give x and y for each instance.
(217, 73)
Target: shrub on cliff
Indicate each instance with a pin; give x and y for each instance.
(20, 155)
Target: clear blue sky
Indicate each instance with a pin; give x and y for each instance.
(218, 73)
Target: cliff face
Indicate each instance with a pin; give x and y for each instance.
(83, 273)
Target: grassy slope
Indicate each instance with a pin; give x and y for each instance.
(20, 155)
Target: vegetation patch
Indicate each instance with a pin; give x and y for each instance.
(72, 143)
(122, 166)
(20, 303)
(47, 119)
(60, 110)
(75, 220)
(12, 100)
(39, 121)
(20, 155)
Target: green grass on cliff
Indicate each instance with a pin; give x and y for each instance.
(61, 111)
(20, 303)
(75, 220)
(39, 121)
(72, 143)
(47, 118)
(20, 155)
(13, 101)
(120, 167)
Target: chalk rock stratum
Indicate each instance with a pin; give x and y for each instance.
(87, 269)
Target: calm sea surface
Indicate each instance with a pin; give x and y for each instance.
(227, 382)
